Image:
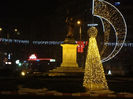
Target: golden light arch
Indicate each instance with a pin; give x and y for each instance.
(110, 16)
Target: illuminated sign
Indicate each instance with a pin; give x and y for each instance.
(33, 56)
(52, 60)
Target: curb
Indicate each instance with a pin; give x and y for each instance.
(54, 93)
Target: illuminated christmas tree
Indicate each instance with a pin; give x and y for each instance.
(94, 76)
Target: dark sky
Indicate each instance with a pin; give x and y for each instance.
(24, 8)
(41, 20)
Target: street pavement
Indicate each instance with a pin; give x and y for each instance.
(121, 87)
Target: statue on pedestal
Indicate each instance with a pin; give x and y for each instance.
(70, 36)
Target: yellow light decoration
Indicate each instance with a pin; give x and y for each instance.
(94, 76)
(111, 17)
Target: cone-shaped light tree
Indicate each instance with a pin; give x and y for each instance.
(94, 76)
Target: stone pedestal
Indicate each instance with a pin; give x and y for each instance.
(69, 55)
(69, 66)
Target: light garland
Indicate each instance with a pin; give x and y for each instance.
(108, 12)
(94, 76)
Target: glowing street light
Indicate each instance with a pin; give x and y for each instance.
(23, 73)
(79, 23)
(17, 61)
(15, 30)
(20, 64)
(0, 29)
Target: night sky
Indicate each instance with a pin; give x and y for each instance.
(41, 20)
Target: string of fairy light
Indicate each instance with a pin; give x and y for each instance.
(94, 76)
(113, 16)
(4, 40)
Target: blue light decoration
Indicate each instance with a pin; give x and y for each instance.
(21, 41)
(25, 61)
(20, 64)
(48, 42)
(38, 60)
(92, 24)
(119, 44)
(14, 41)
(117, 3)
(9, 56)
(4, 40)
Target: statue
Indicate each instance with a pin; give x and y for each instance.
(70, 35)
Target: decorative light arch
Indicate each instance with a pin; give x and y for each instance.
(110, 14)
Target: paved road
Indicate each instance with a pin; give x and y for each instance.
(61, 87)
(51, 97)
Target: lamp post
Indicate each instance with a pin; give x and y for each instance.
(79, 23)
(16, 30)
(0, 31)
(80, 43)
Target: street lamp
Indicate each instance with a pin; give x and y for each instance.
(79, 23)
(16, 30)
(80, 43)
(0, 29)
